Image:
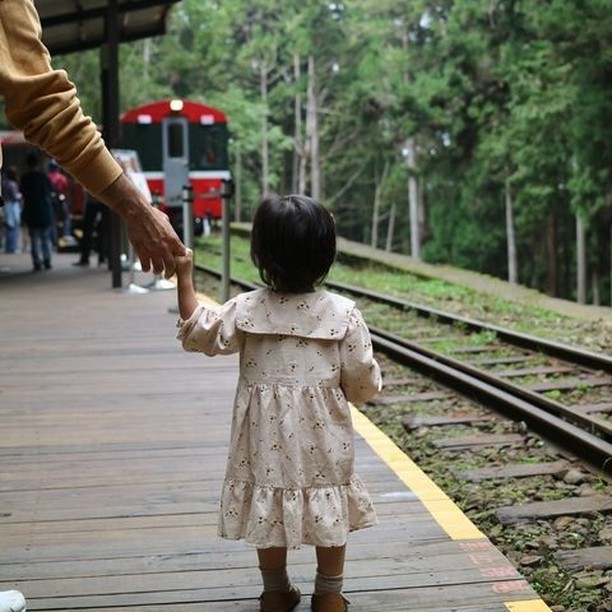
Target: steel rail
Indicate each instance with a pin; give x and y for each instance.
(543, 415)
(565, 352)
(549, 405)
(590, 448)
(235, 281)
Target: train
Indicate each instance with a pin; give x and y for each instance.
(180, 143)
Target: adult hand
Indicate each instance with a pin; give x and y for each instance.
(149, 229)
(154, 241)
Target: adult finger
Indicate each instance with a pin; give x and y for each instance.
(169, 267)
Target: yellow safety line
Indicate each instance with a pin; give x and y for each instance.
(529, 605)
(448, 515)
(442, 508)
(444, 511)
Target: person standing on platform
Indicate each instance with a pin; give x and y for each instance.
(43, 103)
(37, 211)
(12, 210)
(95, 220)
(304, 354)
(59, 183)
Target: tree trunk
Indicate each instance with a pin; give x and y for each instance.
(299, 155)
(422, 215)
(312, 130)
(552, 268)
(595, 290)
(375, 216)
(265, 154)
(146, 56)
(238, 184)
(390, 229)
(413, 199)
(376, 209)
(510, 236)
(581, 268)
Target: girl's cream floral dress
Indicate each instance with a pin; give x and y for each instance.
(290, 477)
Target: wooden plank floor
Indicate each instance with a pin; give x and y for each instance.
(112, 453)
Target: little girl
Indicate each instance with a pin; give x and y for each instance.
(304, 354)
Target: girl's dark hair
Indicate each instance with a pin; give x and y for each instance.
(293, 242)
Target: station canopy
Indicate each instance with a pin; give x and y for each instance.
(76, 25)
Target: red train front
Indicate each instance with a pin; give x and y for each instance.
(180, 142)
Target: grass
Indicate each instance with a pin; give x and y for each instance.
(596, 336)
(575, 593)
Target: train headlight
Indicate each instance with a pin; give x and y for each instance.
(176, 106)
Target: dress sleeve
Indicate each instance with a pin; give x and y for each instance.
(360, 377)
(211, 330)
(43, 103)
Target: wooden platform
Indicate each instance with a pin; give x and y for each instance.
(112, 452)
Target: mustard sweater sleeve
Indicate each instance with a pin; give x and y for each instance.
(42, 102)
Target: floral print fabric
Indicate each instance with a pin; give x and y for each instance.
(290, 476)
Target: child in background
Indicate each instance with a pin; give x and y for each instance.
(304, 354)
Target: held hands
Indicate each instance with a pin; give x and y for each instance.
(149, 229)
(155, 242)
(184, 264)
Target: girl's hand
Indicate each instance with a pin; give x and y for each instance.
(184, 263)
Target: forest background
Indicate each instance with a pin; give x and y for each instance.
(476, 133)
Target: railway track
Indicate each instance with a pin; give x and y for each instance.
(515, 428)
(578, 428)
(534, 500)
(548, 418)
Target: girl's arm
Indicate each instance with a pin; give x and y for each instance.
(360, 378)
(187, 299)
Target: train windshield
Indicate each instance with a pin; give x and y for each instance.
(208, 147)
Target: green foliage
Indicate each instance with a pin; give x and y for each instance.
(508, 97)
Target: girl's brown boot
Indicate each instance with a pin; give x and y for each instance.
(279, 601)
(329, 602)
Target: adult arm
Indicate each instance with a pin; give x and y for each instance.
(42, 102)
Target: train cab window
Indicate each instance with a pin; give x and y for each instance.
(176, 141)
(147, 139)
(208, 146)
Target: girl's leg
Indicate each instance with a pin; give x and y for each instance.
(330, 561)
(328, 582)
(279, 594)
(272, 559)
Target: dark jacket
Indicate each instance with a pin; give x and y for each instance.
(36, 191)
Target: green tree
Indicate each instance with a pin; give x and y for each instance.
(503, 105)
